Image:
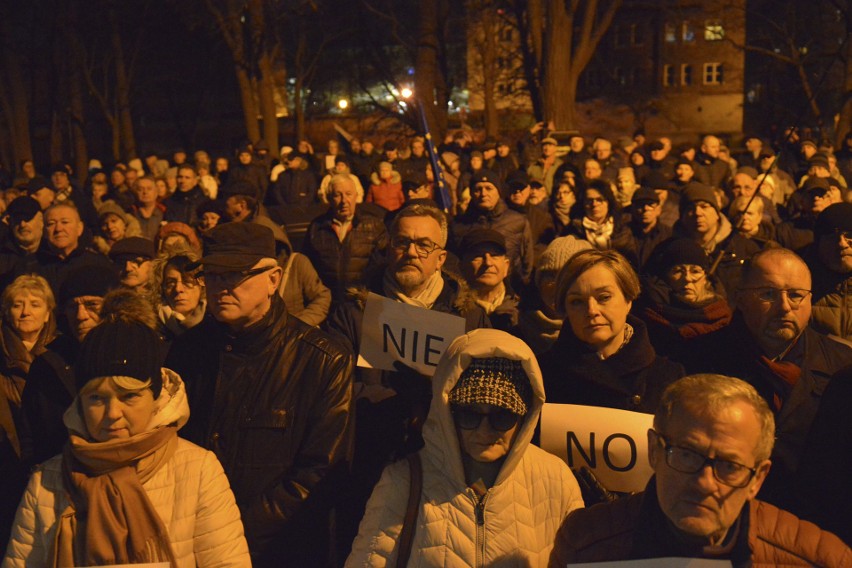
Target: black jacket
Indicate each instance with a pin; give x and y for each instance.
(273, 403)
(182, 206)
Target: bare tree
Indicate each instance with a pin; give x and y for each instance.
(14, 96)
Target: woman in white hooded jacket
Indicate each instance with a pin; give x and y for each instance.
(489, 497)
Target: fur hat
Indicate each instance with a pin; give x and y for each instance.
(495, 381)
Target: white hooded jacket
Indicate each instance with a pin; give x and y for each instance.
(516, 521)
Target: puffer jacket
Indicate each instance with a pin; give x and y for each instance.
(634, 527)
(273, 403)
(514, 523)
(189, 492)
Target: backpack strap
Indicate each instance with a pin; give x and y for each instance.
(415, 489)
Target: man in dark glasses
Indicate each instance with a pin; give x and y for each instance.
(709, 448)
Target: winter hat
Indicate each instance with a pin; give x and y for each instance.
(132, 248)
(36, 184)
(495, 381)
(112, 208)
(93, 280)
(486, 176)
(95, 164)
(816, 185)
(687, 162)
(22, 208)
(681, 251)
(749, 171)
(559, 252)
(819, 160)
(837, 216)
(645, 195)
(695, 192)
(121, 348)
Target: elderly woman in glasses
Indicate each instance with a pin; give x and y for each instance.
(179, 295)
(487, 497)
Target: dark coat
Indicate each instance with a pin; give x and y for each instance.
(541, 225)
(646, 242)
(182, 206)
(273, 404)
(294, 188)
(341, 265)
(253, 176)
(621, 240)
(55, 268)
(512, 225)
(633, 378)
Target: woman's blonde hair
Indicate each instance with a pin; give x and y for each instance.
(32, 283)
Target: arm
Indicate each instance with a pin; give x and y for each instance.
(317, 297)
(218, 539)
(26, 546)
(376, 543)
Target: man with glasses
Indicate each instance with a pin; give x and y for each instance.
(270, 396)
(391, 406)
(830, 260)
(709, 449)
(133, 257)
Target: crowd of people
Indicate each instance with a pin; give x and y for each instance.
(705, 287)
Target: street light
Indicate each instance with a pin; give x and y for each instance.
(406, 92)
(343, 104)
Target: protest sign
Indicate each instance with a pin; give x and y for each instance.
(612, 443)
(393, 331)
(659, 563)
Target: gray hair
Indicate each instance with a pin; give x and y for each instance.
(423, 210)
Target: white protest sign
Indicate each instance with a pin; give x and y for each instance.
(659, 563)
(612, 443)
(146, 565)
(393, 331)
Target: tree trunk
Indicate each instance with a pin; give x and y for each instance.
(76, 117)
(530, 40)
(844, 125)
(556, 66)
(249, 105)
(14, 99)
(489, 70)
(122, 88)
(266, 86)
(298, 107)
(426, 69)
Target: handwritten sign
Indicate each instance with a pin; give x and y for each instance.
(659, 563)
(393, 331)
(612, 443)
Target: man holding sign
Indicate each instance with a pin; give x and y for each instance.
(392, 405)
(709, 448)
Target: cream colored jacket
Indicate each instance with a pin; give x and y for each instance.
(519, 516)
(190, 493)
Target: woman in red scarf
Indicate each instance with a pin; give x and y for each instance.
(126, 489)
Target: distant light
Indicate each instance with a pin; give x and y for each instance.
(343, 104)
(406, 92)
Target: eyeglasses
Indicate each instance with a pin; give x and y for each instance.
(846, 236)
(595, 200)
(500, 420)
(232, 279)
(686, 460)
(170, 284)
(423, 247)
(769, 295)
(137, 261)
(687, 271)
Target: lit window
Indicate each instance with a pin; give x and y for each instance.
(671, 33)
(668, 76)
(713, 31)
(686, 75)
(687, 32)
(712, 73)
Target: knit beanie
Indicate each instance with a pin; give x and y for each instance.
(681, 251)
(495, 381)
(559, 252)
(837, 216)
(695, 192)
(121, 348)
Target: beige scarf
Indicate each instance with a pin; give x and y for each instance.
(599, 234)
(424, 299)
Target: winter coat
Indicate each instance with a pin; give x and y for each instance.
(387, 194)
(345, 264)
(55, 268)
(832, 300)
(273, 403)
(189, 492)
(633, 378)
(293, 188)
(512, 525)
(634, 527)
(182, 206)
(512, 225)
(621, 240)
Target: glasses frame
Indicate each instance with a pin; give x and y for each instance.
(458, 412)
(399, 242)
(777, 293)
(669, 449)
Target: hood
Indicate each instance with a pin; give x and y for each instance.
(442, 445)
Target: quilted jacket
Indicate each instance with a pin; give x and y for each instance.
(190, 493)
(518, 517)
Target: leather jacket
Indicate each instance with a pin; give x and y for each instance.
(273, 403)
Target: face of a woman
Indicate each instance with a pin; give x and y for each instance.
(117, 178)
(596, 206)
(113, 228)
(181, 292)
(483, 443)
(565, 195)
(688, 283)
(597, 310)
(111, 412)
(28, 314)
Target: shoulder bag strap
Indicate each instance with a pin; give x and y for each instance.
(415, 489)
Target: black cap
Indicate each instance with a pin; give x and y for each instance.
(486, 176)
(36, 184)
(22, 208)
(837, 216)
(816, 186)
(646, 195)
(476, 240)
(237, 246)
(389, 146)
(121, 348)
(132, 247)
(656, 145)
(95, 280)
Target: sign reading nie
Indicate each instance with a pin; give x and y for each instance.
(393, 331)
(612, 443)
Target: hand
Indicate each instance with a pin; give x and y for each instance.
(536, 128)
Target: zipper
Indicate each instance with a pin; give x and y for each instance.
(479, 514)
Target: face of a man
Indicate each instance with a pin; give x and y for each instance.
(417, 148)
(82, 314)
(592, 169)
(63, 228)
(711, 146)
(576, 144)
(146, 191)
(835, 251)
(820, 200)
(646, 212)
(538, 193)
(135, 271)
(60, 180)
(748, 220)
(684, 173)
(774, 324)
(503, 150)
(343, 199)
(27, 233)
(548, 150)
(486, 268)
(186, 179)
(701, 218)
(698, 504)
(485, 196)
(241, 298)
(603, 149)
(743, 184)
(409, 269)
(520, 197)
(753, 145)
(244, 158)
